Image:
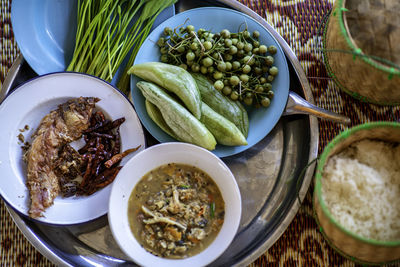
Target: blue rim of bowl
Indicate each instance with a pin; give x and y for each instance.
(37, 67)
(320, 169)
(18, 9)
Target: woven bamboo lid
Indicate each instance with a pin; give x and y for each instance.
(347, 243)
(362, 51)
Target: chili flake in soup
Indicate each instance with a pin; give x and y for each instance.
(176, 211)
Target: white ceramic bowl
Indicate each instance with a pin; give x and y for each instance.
(152, 158)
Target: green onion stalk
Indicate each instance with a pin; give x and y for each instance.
(104, 36)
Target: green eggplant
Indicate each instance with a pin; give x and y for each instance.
(173, 79)
(183, 124)
(231, 110)
(224, 131)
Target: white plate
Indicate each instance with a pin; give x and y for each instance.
(27, 105)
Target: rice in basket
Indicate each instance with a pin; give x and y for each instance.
(357, 193)
(361, 187)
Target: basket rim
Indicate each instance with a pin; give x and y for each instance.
(318, 177)
(340, 10)
(331, 73)
(344, 254)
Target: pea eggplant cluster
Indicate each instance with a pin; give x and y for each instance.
(239, 66)
(188, 107)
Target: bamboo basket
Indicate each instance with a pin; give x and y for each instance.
(365, 64)
(355, 247)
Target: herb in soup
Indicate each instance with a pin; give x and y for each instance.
(176, 211)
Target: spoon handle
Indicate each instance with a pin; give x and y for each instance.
(297, 105)
(10, 77)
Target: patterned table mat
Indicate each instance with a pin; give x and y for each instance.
(298, 21)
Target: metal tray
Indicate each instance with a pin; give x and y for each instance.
(268, 174)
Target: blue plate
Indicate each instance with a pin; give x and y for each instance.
(45, 31)
(215, 19)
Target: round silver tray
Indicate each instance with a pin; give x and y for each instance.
(268, 174)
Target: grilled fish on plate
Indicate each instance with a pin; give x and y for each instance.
(59, 127)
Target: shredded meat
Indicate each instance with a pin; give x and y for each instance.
(178, 210)
(161, 219)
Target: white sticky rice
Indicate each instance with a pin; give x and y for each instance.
(361, 188)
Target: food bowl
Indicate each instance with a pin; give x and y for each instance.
(357, 247)
(150, 159)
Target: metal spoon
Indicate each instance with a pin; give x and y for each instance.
(297, 105)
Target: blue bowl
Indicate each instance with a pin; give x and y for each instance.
(215, 19)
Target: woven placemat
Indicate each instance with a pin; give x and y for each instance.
(299, 22)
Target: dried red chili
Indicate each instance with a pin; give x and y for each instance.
(99, 156)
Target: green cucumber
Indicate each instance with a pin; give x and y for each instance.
(183, 124)
(155, 114)
(245, 118)
(231, 110)
(174, 79)
(224, 131)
